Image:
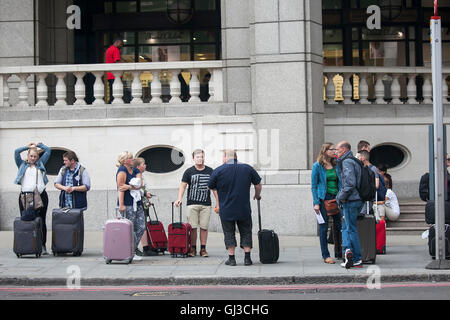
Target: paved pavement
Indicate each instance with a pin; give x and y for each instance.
(300, 262)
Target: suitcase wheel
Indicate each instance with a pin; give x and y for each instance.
(108, 261)
(38, 255)
(18, 255)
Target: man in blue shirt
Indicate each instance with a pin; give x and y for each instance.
(232, 181)
(73, 181)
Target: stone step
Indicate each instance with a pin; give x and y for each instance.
(406, 223)
(406, 230)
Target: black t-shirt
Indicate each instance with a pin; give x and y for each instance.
(198, 192)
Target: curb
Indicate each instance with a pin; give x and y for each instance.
(231, 281)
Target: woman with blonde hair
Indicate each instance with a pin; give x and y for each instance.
(31, 175)
(325, 185)
(135, 214)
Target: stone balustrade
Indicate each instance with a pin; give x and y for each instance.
(69, 86)
(381, 85)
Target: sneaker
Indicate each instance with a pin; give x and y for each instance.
(358, 264)
(230, 262)
(137, 258)
(203, 253)
(139, 252)
(44, 251)
(348, 259)
(248, 261)
(192, 253)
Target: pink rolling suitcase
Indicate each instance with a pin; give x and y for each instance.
(118, 240)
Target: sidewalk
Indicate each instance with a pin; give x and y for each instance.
(300, 262)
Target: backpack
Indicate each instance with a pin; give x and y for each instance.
(366, 189)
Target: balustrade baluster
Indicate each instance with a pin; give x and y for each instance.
(444, 89)
(175, 87)
(395, 89)
(156, 87)
(6, 91)
(99, 88)
(117, 88)
(379, 89)
(347, 88)
(194, 86)
(136, 88)
(61, 89)
(411, 89)
(80, 89)
(23, 90)
(363, 89)
(427, 89)
(330, 89)
(41, 91)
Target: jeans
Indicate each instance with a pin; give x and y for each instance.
(323, 229)
(350, 239)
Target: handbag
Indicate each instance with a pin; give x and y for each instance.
(331, 207)
(33, 199)
(28, 214)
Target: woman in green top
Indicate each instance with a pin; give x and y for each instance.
(325, 186)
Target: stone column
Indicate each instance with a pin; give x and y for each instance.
(287, 104)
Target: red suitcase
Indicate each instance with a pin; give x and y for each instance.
(381, 237)
(156, 235)
(179, 242)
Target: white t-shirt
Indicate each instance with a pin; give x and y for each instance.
(29, 180)
(393, 201)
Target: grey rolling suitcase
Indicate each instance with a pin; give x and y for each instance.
(366, 226)
(67, 231)
(28, 237)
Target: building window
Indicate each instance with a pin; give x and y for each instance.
(55, 162)
(162, 159)
(388, 156)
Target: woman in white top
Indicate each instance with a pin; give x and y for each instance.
(32, 174)
(392, 208)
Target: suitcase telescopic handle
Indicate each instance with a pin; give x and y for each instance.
(154, 210)
(259, 214)
(173, 204)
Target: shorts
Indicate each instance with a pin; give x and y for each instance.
(245, 231)
(198, 216)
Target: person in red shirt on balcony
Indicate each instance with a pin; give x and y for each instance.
(112, 56)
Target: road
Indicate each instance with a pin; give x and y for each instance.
(388, 291)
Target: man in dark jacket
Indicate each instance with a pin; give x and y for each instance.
(424, 186)
(74, 183)
(349, 200)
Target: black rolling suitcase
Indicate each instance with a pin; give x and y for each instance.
(366, 226)
(67, 231)
(432, 241)
(269, 247)
(28, 237)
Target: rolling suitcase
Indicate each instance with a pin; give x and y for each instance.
(118, 240)
(27, 237)
(179, 242)
(366, 226)
(432, 241)
(269, 247)
(381, 237)
(67, 231)
(156, 235)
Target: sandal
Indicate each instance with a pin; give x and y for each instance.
(329, 260)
